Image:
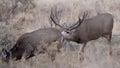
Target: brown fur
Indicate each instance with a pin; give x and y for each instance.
(29, 43)
(86, 30)
(91, 29)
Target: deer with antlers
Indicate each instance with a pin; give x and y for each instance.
(89, 29)
(29, 43)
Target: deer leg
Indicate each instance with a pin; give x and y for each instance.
(23, 58)
(109, 41)
(18, 57)
(81, 52)
(26, 55)
(108, 37)
(31, 55)
(59, 46)
(52, 54)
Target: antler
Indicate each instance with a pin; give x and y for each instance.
(55, 16)
(79, 21)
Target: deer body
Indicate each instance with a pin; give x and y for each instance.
(86, 30)
(93, 28)
(29, 43)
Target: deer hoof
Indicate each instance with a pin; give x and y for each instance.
(81, 57)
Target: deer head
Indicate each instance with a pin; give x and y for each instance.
(67, 32)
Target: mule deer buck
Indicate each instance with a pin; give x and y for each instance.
(89, 29)
(29, 43)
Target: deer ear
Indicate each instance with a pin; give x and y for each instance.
(4, 54)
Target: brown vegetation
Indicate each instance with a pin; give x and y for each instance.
(96, 56)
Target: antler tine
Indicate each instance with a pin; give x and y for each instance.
(84, 16)
(50, 20)
(53, 16)
(74, 26)
(79, 22)
(57, 13)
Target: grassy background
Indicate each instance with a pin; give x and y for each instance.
(96, 52)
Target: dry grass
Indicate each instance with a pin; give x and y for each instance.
(96, 52)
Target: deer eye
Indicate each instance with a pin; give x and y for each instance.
(67, 31)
